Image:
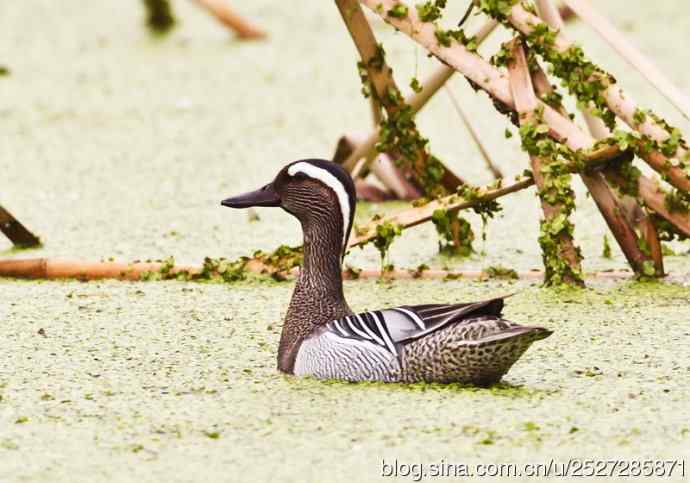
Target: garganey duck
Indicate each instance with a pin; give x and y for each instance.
(323, 338)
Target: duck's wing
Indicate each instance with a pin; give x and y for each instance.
(392, 328)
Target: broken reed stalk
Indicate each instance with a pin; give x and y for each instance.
(228, 17)
(376, 114)
(543, 88)
(634, 213)
(383, 168)
(474, 135)
(480, 72)
(654, 196)
(387, 172)
(49, 269)
(387, 94)
(631, 54)
(592, 160)
(620, 103)
(559, 246)
(416, 101)
(496, 84)
(19, 235)
(45, 268)
(415, 216)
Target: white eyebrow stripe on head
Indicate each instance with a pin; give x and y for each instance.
(332, 182)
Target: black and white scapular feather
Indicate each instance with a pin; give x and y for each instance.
(322, 337)
(392, 328)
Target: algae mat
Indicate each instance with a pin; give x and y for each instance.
(171, 381)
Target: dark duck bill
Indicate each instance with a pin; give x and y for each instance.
(265, 196)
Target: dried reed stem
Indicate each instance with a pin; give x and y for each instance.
(631, 54)
(620, 104)
(18, 234)
(474, 135)
(635, 215)
(416, 101)
(382, 82)
(50, 269)
(526, 105)
(228, 17)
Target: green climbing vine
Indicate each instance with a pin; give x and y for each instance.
(556, 190)
(666, 231)
(455, 233)
(385, 234)
(606, 250)
(676, 200)
(500, 272)
(398, 11)
(584, 79)
(499, 9)
(446, 37)
(486, 209)
(213, 269)
(276, 264)
(502, 57)
(430, 11)
(398, 131)
(376, 62)
(419, 271)
(415, 85)
(279, 262)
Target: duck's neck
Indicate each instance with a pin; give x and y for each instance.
(318, 297)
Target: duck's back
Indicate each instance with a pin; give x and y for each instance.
(468, 343)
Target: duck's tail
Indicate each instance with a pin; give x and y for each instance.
(496, 353)
(478, 351)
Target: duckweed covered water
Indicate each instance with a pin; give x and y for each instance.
(176, 381)
(119, 144)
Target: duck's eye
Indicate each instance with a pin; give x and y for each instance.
(299, 176)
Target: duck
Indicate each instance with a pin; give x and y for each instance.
(468, 343)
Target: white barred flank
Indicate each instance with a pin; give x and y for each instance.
(403, 345)
(332, 357)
